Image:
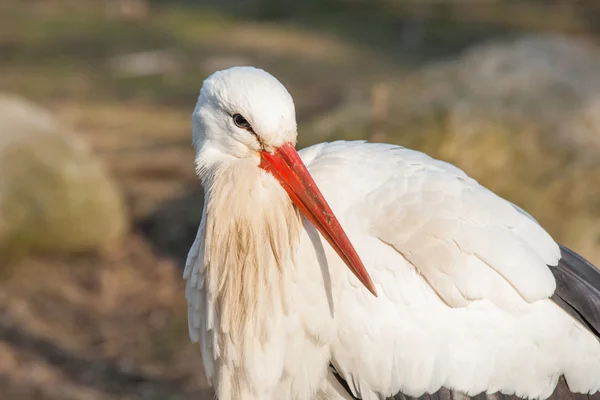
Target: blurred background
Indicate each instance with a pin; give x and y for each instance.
(98, 198)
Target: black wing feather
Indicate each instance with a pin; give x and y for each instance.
(578, 288)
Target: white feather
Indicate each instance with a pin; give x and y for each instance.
(461, 274)
(495, 330)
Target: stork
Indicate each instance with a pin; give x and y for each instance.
(363, 270)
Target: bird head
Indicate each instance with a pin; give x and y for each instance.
(242, 111)
(244, 114)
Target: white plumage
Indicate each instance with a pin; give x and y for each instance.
(461, 274)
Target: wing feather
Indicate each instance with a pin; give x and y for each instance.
(451, 229)
(578, 289)
(426, 232)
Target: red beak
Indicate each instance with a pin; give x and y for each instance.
(286, 165)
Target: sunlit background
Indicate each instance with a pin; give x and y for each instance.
(98, 198)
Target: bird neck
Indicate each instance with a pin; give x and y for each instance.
(251, 234)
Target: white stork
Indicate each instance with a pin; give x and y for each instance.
(461, 293)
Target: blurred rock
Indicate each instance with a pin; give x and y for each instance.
(521, 116)
(54, 194)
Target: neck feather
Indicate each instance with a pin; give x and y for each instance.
(251, 232)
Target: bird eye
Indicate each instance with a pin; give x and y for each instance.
(241, 122)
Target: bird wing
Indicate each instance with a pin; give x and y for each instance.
(463, 279)
(468, 243)
(561, 392)
(578, 289)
